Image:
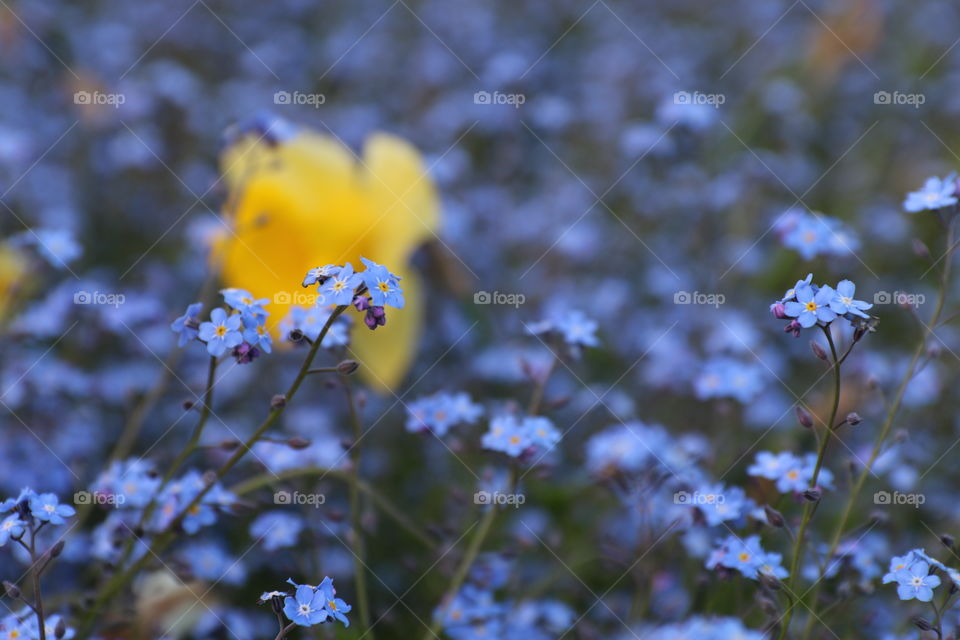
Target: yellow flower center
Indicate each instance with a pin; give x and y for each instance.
(221, 331)
(744, 556)
(811, 306)
(332, 605)
(383, 286)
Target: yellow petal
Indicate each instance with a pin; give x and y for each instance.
(307, 202)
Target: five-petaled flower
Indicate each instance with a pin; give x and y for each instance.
(221, 333)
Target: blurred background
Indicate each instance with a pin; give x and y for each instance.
(644, 162)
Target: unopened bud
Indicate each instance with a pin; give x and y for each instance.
(853, 418)
(947, 540)
(803, 417)
(295, 335)
(920, 249)
(60, 630)
(347, 367)
(922, 624)
(813, 495)
(187, 404)
(296, 442)
(818, 351)
(209, 478)
(56, 549)
(12, 590)
(774, 517)
(229, 445)
(276, 603)
(278, 401)
(767, 605)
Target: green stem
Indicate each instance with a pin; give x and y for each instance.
(201, 423)
(356, 524)
(166, 537)
(888, 421)
(811, 506)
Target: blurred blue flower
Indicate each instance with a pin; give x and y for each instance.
(935, 194)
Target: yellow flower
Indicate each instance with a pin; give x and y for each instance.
(13, 269)
(307, 201)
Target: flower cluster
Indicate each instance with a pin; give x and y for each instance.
(370, 291)
(912, 573)
(813, 234)
(520, 437)
(809, 304)
(574, 327)
(438, 412)
(29, 511)
(725, 377)
(747, 557)
(21, 521)
(475, 613)
(935, 194)
(241, 329)
(309, 605)
(790, 473)
(703, 628)
(131, 486)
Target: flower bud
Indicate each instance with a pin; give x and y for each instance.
(920, 249)
(296, 442)
(12, 590)
(794, 327)
(56, 549)
(278, 401)
(922, 624)
(803, 417)
(347, 367)
(818, 351)
(778, 311)
(60, 630)
(774, 517)
(947, 540)
(812, 495)
(853, 418)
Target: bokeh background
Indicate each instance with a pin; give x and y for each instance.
(586, 181)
